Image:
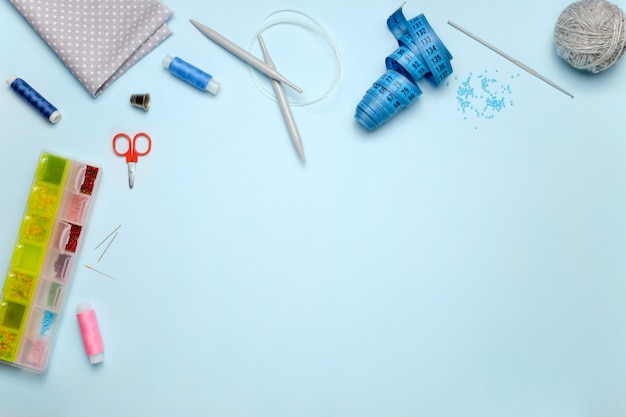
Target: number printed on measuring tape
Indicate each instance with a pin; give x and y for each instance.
(418, 36)
(420, 54)
(435, 54)
(399, 86)
(397, 23)
(407, 63)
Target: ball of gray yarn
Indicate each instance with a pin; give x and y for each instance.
(590, 35)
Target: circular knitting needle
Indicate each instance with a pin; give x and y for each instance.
(241, 53)
(284, 105)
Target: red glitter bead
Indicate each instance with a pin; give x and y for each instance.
(90, 178)
(72, 242)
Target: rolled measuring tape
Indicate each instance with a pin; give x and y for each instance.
(387, 96)
(421, 54)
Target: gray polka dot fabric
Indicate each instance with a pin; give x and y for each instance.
(98, 40)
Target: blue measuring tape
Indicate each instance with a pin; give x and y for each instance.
(421, 54)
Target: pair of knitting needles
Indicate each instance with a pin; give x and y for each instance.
(510, 58)
(266, 68)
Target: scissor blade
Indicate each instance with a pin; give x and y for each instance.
(131, 174)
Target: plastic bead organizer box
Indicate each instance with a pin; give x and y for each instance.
(40, 268)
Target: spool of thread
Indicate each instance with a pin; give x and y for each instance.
(191, 74)
(32, 97)
(90, 333)
(590, 35)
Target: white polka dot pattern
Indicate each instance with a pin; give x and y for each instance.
(98, 40)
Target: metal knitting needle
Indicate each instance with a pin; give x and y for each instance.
(513, 60)
(243, 54)
(284, 105)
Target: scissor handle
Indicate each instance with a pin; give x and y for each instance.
(147, 151)
(129, 152)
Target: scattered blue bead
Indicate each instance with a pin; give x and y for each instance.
(482, 96)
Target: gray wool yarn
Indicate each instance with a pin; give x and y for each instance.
(590, 35)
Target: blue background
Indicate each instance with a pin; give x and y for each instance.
(442, 265)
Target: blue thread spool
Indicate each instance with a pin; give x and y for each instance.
(190, 74)
(32, 97)
(421, 54)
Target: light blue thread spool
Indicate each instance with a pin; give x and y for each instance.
(36, 100)
(191, 74)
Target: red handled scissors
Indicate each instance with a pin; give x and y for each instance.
(131, 153)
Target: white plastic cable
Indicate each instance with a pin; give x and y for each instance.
(304, 21)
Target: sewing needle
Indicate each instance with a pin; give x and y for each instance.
(100, 272)
(106, 238)
(107, 247)
(243, 54)
(284, 104)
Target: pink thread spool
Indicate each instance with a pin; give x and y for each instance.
(90, 332)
